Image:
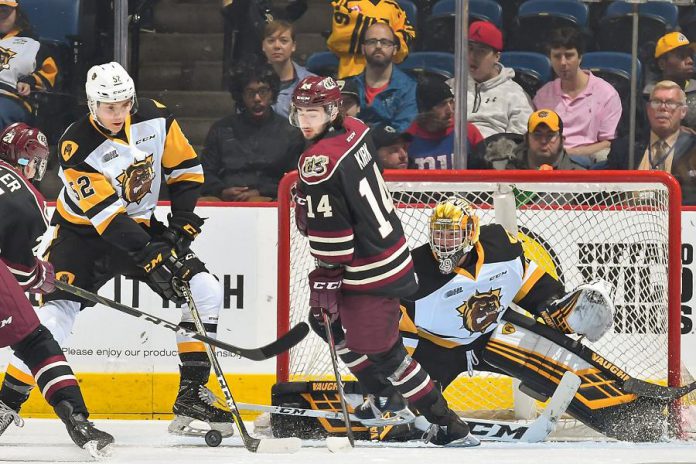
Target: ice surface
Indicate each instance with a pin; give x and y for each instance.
(45, 440)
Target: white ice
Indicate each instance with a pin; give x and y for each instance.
(45, 440)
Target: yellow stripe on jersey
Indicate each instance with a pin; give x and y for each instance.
(187, 177)
(530, 279)
(406, 323)
(93, 189)
(191, 347)
(68, 216)
(177, 148)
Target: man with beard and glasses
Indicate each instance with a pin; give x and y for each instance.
(432, 132)
(247, 152)
(386, 95)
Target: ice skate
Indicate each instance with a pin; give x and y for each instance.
(83, 432)
(195, 402)
(455, 434)
(383, 411)
(8, 416)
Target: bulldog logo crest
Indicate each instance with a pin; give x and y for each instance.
(480, 310)
(5, 56)
(136, 180)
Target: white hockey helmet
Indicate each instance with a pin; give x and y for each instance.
(108, 83)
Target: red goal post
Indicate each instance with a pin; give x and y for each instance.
(624, 226)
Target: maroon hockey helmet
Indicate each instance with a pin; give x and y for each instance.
(316, 91)
(23, 145)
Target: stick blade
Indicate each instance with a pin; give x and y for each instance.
(279, 445)
(651, 390)
(282, 344)
(546, 423)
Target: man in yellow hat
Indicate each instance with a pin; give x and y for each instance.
(674, 61)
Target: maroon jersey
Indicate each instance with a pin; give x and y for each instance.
(351, 218)
(24, 221)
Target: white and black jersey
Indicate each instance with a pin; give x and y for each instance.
(24, 221)
(456, 309)
(351, 216)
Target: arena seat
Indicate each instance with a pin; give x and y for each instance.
(322, 64)
(532, 70)
(411, 11)
(438, 32)
(537, 18)
(440, 64)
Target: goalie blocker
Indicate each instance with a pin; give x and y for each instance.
(522, 348)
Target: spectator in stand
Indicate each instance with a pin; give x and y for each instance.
(386, 94)
(495, 103)
(542, 148)
(278, 46)
(26, 65)
(432, 146)
(247, 153)
(348, 30)
(351, 97)
(589, 106)
(674, 61)
(392, 147)
(670, 146)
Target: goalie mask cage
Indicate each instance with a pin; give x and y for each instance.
(578, 225)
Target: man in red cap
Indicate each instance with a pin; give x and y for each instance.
(495, 103)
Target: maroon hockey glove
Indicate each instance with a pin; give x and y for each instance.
(301, 212)
(44, 281)
(325, 292)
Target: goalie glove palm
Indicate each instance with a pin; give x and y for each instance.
(588, 311)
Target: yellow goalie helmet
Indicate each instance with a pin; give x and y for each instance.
(454, 229)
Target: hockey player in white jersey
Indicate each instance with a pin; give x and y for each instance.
(459, 321)
(112, 161)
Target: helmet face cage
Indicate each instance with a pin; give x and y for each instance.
(109, 83)
(454, 229)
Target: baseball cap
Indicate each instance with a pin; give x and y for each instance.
(431, 91)
(669, 42)
(548, 117)
(12, 3)
(348, 87)
(485, 33)
(385, 135)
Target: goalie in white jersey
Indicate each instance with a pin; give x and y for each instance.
(459, 321)
(111, 163)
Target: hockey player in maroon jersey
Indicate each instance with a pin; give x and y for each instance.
(23, 154)
(363, 261)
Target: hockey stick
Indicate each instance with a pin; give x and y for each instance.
(282, 344)
(277, 445)
(652, 390)
(487, 430)
(339, 383)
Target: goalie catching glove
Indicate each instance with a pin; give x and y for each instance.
(162, 265)
(588, 311)
(184, 227)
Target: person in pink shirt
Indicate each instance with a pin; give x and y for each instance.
(589, 106)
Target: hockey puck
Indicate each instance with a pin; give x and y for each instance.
(338, 444)
(213, 438)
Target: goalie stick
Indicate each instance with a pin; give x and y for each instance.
(280, 345)
(265, 445)
(488, 430)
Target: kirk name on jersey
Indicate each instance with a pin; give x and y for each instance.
(351, 219)
(456, 309)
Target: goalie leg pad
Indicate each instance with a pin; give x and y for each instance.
(588, 311)
(600, 403)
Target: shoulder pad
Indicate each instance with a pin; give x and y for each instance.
(78, 141)
(150, 109)
(499, 245)
(319, 161)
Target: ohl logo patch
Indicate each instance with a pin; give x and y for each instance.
(6, 56)
(136, 180)
(480, 310)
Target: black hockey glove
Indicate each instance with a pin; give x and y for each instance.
(162, 266)
(183, 228)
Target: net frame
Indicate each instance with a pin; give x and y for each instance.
(570, 181)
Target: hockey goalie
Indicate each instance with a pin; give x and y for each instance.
(460, 321)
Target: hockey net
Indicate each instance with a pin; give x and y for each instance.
(579, 226)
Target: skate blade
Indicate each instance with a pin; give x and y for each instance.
(95, 452)
(182, 426)
(466, 442)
